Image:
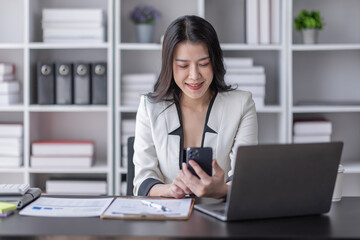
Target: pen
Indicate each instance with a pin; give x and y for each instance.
(155, 205)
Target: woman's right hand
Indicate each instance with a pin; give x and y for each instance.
(178, 189)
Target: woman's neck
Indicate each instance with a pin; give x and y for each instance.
(196, 104)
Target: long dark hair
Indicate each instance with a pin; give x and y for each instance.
(196, 30)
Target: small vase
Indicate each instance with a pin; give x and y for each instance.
(310, 36)
(144, 33)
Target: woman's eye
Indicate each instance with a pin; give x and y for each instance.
(204, 64)
(183, 66)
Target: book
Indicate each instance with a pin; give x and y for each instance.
(242, 79)
(246, 70)
(82, 83)
(73, 15)
(7, 68)
(11, 130)
(311, 138)
(259, 102)
(275, 28)
(312, 127)
(8, 99)
(7, 87)
(77, 25)
(238, 62)
(8, 150)
(9, 141)
(264, 21)
(139, 78)
(149, 208)
(6, 77)
(74, 33)
(128, 125)
(45, 83)
(63, 148)
(73, 40)
(61, 161)
(257, 91)
(99, 83)
(10, 161)
(252, 21)
(76, 186)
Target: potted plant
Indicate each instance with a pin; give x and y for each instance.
(144, 17)
(309, 23)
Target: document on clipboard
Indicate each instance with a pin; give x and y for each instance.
(149, 208)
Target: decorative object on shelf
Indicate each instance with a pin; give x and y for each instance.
(145, 17)
(309, 23)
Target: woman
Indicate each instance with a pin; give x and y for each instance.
(191, 106)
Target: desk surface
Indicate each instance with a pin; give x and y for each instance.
(341, 222)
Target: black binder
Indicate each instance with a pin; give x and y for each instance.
(45, 83)
(64, 85)
(99, 83)
(82, 83)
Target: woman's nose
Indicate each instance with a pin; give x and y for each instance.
(194, 73)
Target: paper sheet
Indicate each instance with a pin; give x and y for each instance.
(66, 207)
(178, 208)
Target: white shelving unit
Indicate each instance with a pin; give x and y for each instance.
(227, 18)
(24, 47)
(329, 73)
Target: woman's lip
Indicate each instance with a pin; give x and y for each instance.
(195, 86)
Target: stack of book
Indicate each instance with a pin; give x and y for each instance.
(310, 131)
(128, 130)
(134, 85)
(11, 144)
(64, 154)
(73, 25)
(262, 21)
(9, 87)
(242, 74)
(76, 186)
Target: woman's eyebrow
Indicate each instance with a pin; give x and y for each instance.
(184, 60)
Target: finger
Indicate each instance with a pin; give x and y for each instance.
(217, 168)
(176, 191)
(180, 183)
(203, 175)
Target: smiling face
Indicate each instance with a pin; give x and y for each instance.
(192, 70)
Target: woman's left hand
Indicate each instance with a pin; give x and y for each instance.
(207, 186)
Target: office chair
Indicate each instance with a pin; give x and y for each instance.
(130, 167)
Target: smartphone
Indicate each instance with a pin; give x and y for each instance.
(203, 157)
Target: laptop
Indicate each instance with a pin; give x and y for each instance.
(279, 180)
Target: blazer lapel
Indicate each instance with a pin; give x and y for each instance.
(213, 125)
(174, 136)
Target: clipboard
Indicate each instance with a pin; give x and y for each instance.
(134, 208)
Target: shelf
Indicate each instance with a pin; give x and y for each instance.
(12, 108)
(236, 46)
(122, 170)
(69, 108)
(325, 47)
(12, 170)
(139, 46)
(11, 46)
(325, 109)
(98, 168)
(266, 109)
(40, 45)
(352, 168)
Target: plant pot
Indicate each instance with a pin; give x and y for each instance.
(144, 33)
(310, 36)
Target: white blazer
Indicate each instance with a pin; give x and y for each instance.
(232, 121)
